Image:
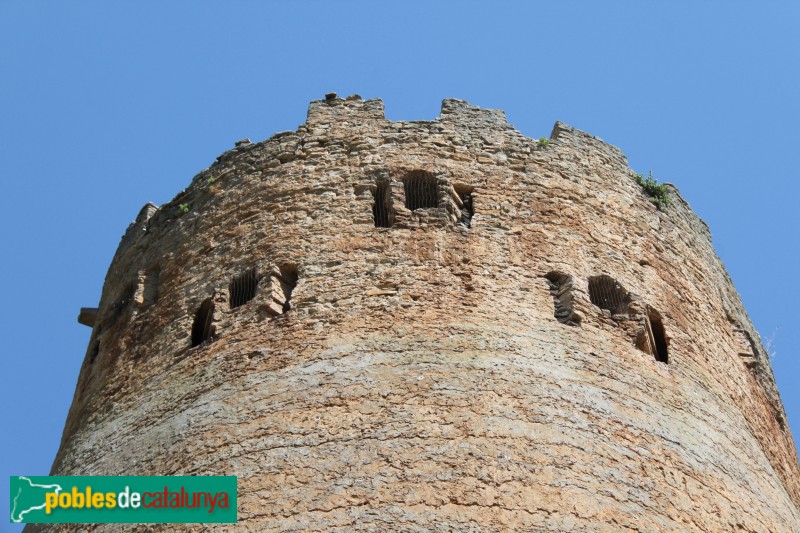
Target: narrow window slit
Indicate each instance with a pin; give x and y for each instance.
(284, 281)
(202, 328)
(467, 210)
(659, 338)
(652, 338)
(381, 207)
(243, 288)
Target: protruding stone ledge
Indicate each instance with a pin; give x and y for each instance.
(87, 316)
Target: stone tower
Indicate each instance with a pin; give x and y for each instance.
(434, 325)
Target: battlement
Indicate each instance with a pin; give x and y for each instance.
(365, 292)
(333, 109)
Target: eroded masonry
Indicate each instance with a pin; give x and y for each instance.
(434, 325)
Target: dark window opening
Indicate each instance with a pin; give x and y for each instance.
(563, 300)
(287, 281)
(381, 208)
(283, 281)
(659, 339)
(652, 338)
(243, 288)
(465, 195)
(420, 190)
(202, 327)
(606, 293)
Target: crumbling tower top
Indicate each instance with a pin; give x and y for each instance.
(435, 323)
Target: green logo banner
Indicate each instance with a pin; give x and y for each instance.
(123, 499)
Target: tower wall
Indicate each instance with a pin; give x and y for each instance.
(443, 372)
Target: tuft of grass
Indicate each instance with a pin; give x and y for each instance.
(185, 208)
(658, 193)
(211, 180)
(543, 141)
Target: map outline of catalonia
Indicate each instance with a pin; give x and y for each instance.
(21, 514)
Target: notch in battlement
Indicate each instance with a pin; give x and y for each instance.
(334, 108)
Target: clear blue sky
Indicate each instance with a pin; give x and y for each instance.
(109, 105)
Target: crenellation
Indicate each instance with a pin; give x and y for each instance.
(344, 109)
(461, 113)
(478, 326)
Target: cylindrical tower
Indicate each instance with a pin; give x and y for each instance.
(434, 325)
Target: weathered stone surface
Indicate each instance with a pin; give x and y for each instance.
(446, 372)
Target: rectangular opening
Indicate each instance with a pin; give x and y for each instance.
(283, 281)
(607, 293)
(420, 190)
(467, 209)
(288, 281)
(381, 207)
(561, 286)
(652, 337)
(659, 338)
(243, 288)
(202, 326)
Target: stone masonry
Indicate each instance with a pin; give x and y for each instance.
(433, 325)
